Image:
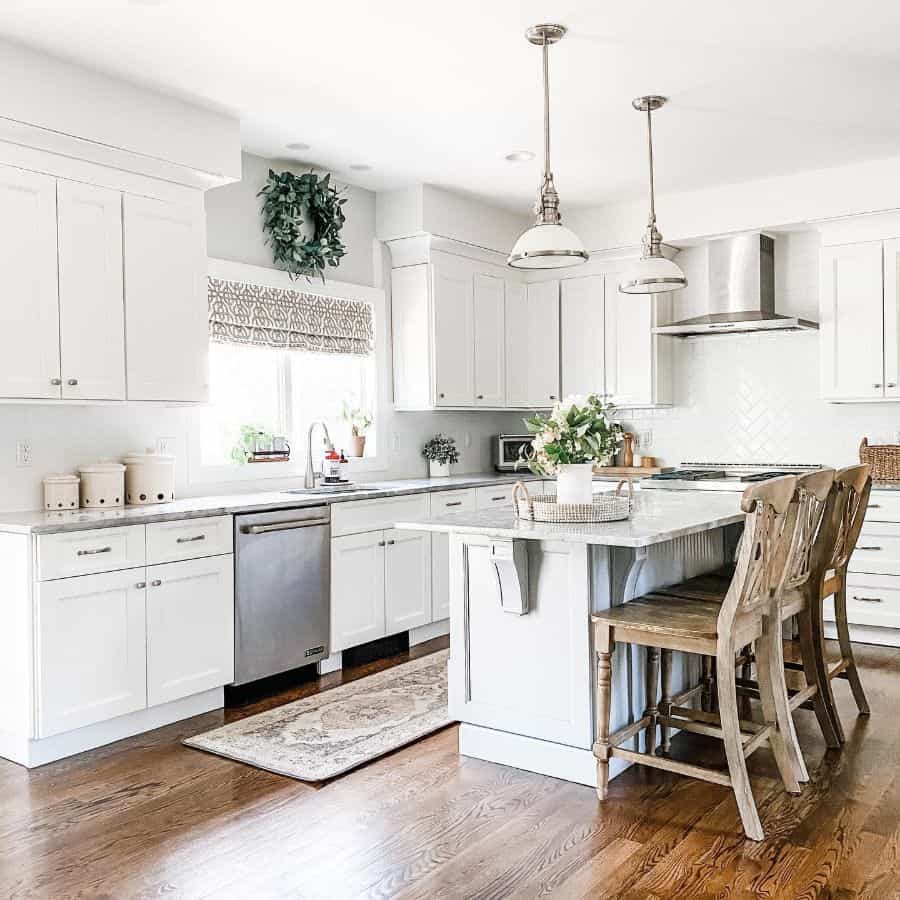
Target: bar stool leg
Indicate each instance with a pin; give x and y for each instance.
(706, 696)
(814, 669)
(843, 632)
(666, 698)
(652, 693)
(604, 646)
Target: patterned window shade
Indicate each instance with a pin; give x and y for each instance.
(242, 313)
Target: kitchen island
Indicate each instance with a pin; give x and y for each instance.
(521, 673)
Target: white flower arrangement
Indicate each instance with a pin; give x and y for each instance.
(579, 429)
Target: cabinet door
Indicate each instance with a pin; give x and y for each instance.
(29, 313)
(91, 649)
(166, 319)
(454, 336)
(892, 318)
(851, 330)
(582, 335)
(543, 343)
(190, 627)
(490, 368)
(357, 589)
(442, 503)
(517, 347)
(407, 580)
(91, 304)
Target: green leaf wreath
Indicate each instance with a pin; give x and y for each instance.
(288, 199)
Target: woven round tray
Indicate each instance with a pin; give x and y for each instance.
(610, 507)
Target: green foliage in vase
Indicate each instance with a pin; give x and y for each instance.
(441, 449)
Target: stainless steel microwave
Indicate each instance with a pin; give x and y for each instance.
(507, 450)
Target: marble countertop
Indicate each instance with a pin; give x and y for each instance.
(658, 516)
(41, 522)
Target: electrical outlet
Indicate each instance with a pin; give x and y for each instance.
(165, 446)
(24, 456)
(467, 439)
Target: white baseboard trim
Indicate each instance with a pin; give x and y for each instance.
(868, 634)
(543, 757)
(428, 632)
(31, 753)
(330, 663)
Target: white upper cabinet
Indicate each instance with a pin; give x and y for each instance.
(454, 332)
(532, 344)
(29, 313)
(91, 311)
(857, 318)
(489, 361)
(892, 318)
(582, 335)
(637, 361)
(166, 318)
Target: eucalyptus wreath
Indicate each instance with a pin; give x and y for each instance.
(288, 199)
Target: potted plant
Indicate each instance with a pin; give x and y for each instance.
(359, 421)
(441, 453)
(568, 442)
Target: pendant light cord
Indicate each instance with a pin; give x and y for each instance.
(652, 220)
(545, 49)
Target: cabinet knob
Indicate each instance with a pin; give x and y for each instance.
(442, 395)
(56, 381)
(381, 543)
(877, 385)
(553, 397)
(72, 382)
(141, 584)
(155, 583)
(392, 541)
(891, 384)
(480, 397)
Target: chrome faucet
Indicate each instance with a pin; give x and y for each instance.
(309, 480)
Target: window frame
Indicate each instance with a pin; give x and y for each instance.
(200, 474)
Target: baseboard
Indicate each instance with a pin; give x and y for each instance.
(428, 632)
(31, 753)
(867, 634)
(533, 755)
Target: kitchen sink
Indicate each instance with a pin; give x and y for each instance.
(327, 489)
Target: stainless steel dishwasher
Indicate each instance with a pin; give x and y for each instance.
(282, 598)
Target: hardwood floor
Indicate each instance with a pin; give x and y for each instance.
(147, 817)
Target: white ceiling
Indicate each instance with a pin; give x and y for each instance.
(439, 92)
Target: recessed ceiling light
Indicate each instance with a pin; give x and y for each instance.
(519, 156)
(360, 167)
(297, 145)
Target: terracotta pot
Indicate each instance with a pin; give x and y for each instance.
(357, 445)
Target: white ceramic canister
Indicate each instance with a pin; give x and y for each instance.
(61, 492)
(102, 484)
(149, 477)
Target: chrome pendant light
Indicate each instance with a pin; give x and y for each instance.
(547, 244)
(652, 273)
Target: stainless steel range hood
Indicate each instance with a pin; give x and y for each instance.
(741, 291)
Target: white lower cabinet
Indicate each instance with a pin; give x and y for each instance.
(380, 585)
(91, 650)
(407, 580)
(357, 589)
(190, 627)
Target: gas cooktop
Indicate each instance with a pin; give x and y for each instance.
(722, 476)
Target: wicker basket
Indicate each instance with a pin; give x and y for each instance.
(544, 508)
(884, 460)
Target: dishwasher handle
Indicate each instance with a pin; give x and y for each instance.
(284, 526)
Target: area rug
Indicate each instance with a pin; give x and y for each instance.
(322, 736)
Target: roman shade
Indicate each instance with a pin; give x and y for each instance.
(244, 313)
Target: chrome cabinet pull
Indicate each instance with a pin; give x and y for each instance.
(499, 498)
(156, 582)
(552, 397)
(94, 552)
(72, 382)
(867, 599)
(381, 543)
(891, 384)
(283, 526)
(392, 541)
(141, 585)
(877, 385)
(56, 382)
(874, 506)
(870, 548)
(454, 503)
(196, 537)
(480, 397)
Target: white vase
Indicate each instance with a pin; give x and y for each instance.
(573, 483)
(438, 470)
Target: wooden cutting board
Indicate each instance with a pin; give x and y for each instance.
(632, 470)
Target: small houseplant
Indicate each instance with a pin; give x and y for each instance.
(576, 435)
(441, 453)
(359, 421)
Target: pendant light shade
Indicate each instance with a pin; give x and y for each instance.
(652, 273)
(547, 244)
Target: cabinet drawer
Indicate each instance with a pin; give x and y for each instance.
(499, 495)
(871, 600)
(189, 539)
(86, 552)
(356, 516)
(445, 502)
(884, 506)
(878, 549)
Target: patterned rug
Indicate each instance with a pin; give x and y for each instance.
(322, 736)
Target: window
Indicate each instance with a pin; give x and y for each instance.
(280, 392)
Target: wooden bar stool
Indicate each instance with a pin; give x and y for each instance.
(747, 614)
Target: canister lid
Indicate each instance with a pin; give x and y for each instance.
(148, 457)
(61, 478)
(103, 466)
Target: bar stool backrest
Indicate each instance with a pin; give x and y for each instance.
(854, 485)
(752, 588)
(806, 523)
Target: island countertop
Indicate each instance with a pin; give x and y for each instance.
(657, 517)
